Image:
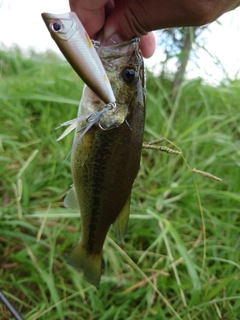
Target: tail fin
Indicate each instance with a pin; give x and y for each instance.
(91, 264)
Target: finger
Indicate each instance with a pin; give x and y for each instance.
(148, 45)
(91, 13)
(120, 26)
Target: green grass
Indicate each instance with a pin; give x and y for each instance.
(181, 257)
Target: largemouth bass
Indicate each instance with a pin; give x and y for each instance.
(106, 160)
(107, 146)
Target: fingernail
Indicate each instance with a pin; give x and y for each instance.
(110, 37)
(113, 39)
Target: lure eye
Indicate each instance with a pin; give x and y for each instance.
(128, 75)
(56, 25)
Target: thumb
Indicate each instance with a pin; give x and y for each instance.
(122, 24)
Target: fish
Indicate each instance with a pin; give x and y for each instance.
(73, 41)
(105, 161)
(106, 152)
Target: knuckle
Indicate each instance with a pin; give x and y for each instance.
(203, 12)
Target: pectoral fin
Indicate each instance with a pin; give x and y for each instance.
(67, 131)
(70, 200)
(121, 223)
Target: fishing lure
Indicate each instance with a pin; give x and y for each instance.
(73, 41)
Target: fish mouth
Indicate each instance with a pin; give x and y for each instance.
(116, 46)
(116, 50)
(112, 118)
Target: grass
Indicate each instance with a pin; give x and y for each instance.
(181, 256)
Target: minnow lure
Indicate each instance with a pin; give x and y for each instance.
(73, 41)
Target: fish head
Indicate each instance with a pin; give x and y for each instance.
(124, 66)
(125, 70)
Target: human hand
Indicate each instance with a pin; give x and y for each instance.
(123, 19)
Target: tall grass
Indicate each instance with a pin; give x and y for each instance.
(181, 257)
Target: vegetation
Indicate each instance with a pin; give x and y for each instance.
(177, 42)
(181, 257)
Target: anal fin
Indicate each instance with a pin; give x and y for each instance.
(121, 223)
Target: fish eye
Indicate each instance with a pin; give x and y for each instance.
(128, 75)
(56, 25)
